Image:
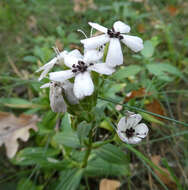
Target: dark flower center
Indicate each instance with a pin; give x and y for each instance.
(129, 132)
(80, 67)
(113, 34)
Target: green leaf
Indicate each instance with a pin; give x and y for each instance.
(83, 130)
(31, 59)
(148, 49)
(98, 167)
(17, 103)
(69, 179)
(162, 71)
(127, 71)
(68, 136)
(111, 154)
(39, 155)
(25, 183)
(150, 118)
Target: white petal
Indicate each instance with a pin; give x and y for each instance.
(70, 60)
(141, 130)
(121, 27)
(83, 85)
(98, 27)
(133, 120)
(133, 42)
(61, 76)
(122, 136)
(75, 53)
(114, 56)
(94, 42)
(134, 140)
(46, 85)
(122, 124)
(92, 55)
(48, 65)
(102, 68)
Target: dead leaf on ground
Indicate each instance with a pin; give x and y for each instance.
(172, 10)
(136, 94)
(32, 23)
(109, 184)
(156, 107)
(165, 178)
(83, 5)
(13, 128)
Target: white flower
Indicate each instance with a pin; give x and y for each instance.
(129, 130)
(114, 36)
(48, 66)
(80, 67)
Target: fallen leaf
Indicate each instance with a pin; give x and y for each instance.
(156, 107)
(165, 178)
(141, 28)
(172, 10)
(136, 94)
(59, 45)
(109, 184)
(83, 5)
(32, 23)
(13, 128)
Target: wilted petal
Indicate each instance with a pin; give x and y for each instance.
(133, 120)
(122, 124)
(102, 68)
(68, 90)
(98, 27)
(121, 27)
(83, 85)
(75, 53)
(57, 102)
(92, 55)
(61, 76)
(94, 42)
(133, 42)
(114, 56)
(141, 130)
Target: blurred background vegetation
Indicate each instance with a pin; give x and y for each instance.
(154, 79)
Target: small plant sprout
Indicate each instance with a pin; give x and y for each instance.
(80, 67)
(113, 36)
(129, 130)
(48, 66)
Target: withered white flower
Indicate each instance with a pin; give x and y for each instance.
(48, 66)
(57, 102)
(129, 130)
(80, 68)
(114, 36)
(65, 88)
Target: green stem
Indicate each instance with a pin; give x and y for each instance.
(88, 151)
(144, 111)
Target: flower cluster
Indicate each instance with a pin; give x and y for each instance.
(80, 67)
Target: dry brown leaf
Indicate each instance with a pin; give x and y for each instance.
(165, 178)
(83, 5)
(109, 184)
(13, 128)
(136, 94)
(156, 107)
(172, 10)
(32, 23)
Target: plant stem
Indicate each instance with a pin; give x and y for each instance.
(142, 110)
(88, 151)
